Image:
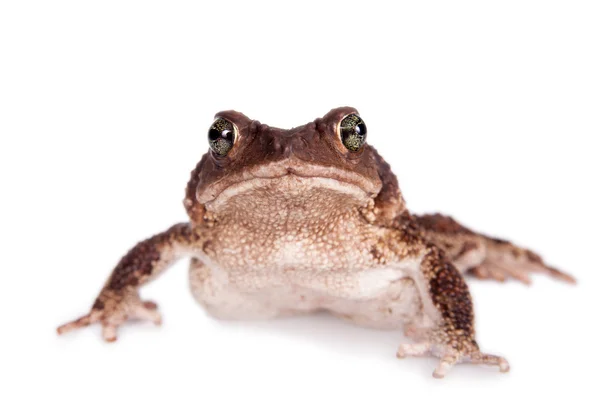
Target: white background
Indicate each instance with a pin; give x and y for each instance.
(489, 112)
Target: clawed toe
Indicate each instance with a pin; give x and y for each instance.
(114, 315)
(450, 357)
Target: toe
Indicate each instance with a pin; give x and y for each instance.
(503, 364)
(497, 273)
(150, 305)
(440, 371)
(490, 359)
(560, 275)
(479, 272)
(109, 332)
(444, 366)
(78, 323)
(520, 275)
(147, 314)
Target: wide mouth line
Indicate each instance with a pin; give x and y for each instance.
(325, 176)
(290, 171)
(240, 187)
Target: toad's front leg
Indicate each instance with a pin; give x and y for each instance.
(446, 328)
(119, 299)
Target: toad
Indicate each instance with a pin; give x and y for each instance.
(284, 222)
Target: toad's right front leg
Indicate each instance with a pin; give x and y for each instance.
(119, 299)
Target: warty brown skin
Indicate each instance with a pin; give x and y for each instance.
(292, 221)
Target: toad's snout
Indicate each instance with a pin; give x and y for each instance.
(288, 144)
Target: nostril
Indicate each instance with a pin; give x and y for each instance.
(287, 148)
(276, 144)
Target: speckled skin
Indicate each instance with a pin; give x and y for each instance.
(290, 221)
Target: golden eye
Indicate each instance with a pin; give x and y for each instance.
(221, 136)
(353, 132)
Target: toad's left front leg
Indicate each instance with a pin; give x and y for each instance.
(450, 333)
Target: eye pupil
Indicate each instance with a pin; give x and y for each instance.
(221, 136)
(353, 132)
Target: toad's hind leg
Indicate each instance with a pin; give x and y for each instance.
(482, 256)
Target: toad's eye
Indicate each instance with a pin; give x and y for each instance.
(353, 132)
(221, 136)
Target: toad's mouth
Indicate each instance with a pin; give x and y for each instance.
(293, 178)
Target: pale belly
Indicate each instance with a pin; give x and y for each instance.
(379, 298)
(298, 255)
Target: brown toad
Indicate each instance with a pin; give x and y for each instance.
(292, 221)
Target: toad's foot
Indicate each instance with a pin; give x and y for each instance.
(449, 356)
(112, 310)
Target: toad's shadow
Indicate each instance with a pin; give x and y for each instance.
(326, 330)
(337, 335)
